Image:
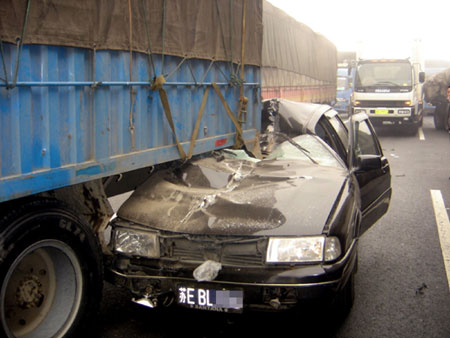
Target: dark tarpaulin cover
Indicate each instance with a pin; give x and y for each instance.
(293, 54)
(435, 87)
(193, 28)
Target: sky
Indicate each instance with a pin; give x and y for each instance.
(378, 29)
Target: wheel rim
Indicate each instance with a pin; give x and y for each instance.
(42, 290)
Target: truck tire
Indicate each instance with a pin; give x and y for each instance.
(51, 274)
(413, 129)
(439, 117)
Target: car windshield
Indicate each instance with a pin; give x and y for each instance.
(305, 148)
(384, 74)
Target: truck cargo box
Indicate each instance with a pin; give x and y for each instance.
(297, 63)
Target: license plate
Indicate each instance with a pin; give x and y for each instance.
(381, 111)
(211, 299)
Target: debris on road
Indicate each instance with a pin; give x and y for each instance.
(420, 289)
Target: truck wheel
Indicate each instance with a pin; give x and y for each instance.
(50, 274)
(439, 117)
(412, 129)
(438, 121)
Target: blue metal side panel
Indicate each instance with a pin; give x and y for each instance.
(77, 115)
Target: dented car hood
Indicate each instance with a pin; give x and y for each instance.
(238, 197)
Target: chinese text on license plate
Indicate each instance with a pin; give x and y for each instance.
(210, 299)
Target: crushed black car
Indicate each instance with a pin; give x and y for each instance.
(230, 232)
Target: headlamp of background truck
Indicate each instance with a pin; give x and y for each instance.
(359, 111)
(136, 242)
(404, 111)
(303, 249)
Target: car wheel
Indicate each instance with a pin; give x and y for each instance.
(346, 297)
(343, 302)
(51, 272)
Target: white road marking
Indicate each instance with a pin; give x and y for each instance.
(421, 135)
(443, 225)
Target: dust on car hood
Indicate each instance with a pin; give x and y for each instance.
(237, 197)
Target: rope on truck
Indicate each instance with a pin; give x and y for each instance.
(147, 30)
(132, 94)
(19, 51)
(242, 99)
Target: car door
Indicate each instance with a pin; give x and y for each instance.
(372, 171)
(370, 166)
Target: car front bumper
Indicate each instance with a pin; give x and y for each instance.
(264, 288)
(392, 117)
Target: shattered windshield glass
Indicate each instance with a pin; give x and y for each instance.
(313, 150)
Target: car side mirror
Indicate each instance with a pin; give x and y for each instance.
(422, 77)
(369, 162)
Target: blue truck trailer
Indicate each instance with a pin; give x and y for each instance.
(93, 96)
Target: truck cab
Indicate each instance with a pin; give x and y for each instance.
(344, 88)
(390, 92)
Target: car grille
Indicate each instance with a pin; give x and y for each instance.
(377, 104)
(242, 252)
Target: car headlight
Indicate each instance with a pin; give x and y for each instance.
(303, 249)
(136, 242)
(404, 111)
(357, 111)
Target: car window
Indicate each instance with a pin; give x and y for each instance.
(313, 147)
(340, 129)
(334, 133)
(366, 143)
(324, 134)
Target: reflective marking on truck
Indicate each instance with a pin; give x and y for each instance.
(443, 226)
(221, 142)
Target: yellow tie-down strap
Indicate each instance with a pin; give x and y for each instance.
(256, 150)
(158, 85)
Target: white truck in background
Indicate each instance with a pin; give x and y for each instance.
(390, 92)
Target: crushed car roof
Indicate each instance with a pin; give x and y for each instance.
(295, 117)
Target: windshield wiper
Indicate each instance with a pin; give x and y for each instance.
(296, 145)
